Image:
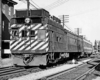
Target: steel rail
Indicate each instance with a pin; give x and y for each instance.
(66, 71)
(81, 77)
(57, 74)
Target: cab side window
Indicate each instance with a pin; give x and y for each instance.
(15, 33)
(24, 33)
(41, 35)
(32, 33)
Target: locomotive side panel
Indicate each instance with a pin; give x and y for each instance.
(72, 42)
(56, 38)
(29, 41)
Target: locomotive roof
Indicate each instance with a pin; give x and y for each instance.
(72, 33)
(26, 17)
(39, 12)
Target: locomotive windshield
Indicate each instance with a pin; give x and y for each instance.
(22, 20)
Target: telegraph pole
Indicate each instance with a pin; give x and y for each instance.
(64, 19)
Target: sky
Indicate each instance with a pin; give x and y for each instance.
(83, 14)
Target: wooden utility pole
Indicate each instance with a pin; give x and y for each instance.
(64, 19)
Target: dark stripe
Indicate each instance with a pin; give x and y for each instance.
(17, 44)
(38, 27)
(13, 42)
(35, 45)
(29, 45)
(22, 45)
(38, 43)
(42, 45)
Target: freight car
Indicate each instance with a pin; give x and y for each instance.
(40, 39)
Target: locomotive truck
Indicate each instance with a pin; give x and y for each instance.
(40, 39)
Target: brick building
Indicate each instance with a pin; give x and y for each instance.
(6, 13)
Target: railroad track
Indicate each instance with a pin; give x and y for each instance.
(6, 73)
(12, 72)
(86, 74)
(77, 73)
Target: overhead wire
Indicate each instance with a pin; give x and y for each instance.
(68, 28)
(84, 12)
(34, 3)
(30, 4)
(55, 4)
(52, 4)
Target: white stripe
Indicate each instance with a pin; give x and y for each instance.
(43, 27)
(36, 32)
(24, 46)
(33, 25)
(11, 43)
(28, 33)
(44, 46)
(28, 27)
(87, 48)
(32, 45)
(36, 37)
(35, 42)
(46, 34)
(21, 30)
(22, 27)
(39, 45)
(13, 25)
(18, 45)
(24, 43)
(36, 27)
(47, 49)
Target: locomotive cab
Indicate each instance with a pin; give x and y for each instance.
(27, 31)
(29, 37)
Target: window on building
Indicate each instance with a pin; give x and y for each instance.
(3, 8)
(10, 11)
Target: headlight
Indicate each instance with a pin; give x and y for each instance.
(27, 20)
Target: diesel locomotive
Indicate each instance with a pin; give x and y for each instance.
(40, 39)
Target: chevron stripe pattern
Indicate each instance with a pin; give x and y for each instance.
(29, 43)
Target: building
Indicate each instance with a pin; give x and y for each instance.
(6, 13)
